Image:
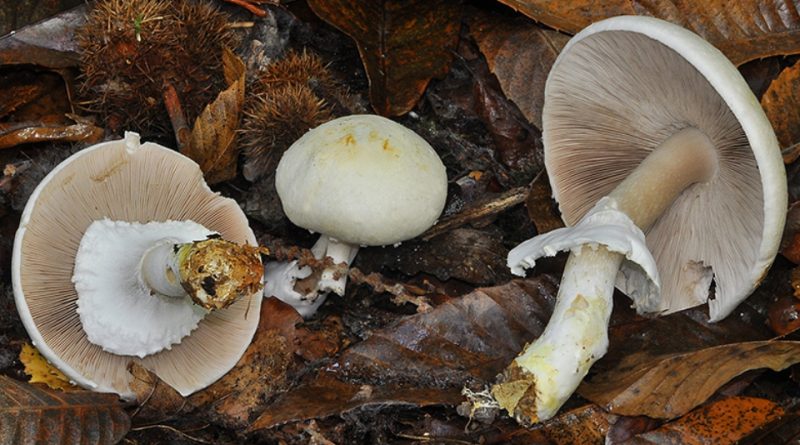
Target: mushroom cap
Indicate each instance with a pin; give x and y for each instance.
(362, 179)
(619, 89)
(125, 181)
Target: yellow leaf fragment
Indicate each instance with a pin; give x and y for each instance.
(41, 371)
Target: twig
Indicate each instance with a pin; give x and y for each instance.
(498, 204)
(401, 293)
(171, 429)
(249, 6)
(176, 116)
(435, 439)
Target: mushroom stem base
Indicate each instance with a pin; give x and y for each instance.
(545, 375)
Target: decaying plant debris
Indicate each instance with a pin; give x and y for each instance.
(425, 325)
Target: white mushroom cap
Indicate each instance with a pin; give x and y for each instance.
(124, 181)
(363, 180)
(620, 88)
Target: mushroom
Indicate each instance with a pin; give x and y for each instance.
(653, 144)
(360, 180)
(143, 239)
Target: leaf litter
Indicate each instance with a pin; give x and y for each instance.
(371, 367)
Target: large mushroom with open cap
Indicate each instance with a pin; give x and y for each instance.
(124, 254)
(670, 177)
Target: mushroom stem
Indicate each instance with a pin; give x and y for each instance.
(334, 278)
(214, 273)
(549, 370)
(305, 289)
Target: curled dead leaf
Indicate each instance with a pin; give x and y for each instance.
(781, 103)
(212, 143)
(744, 31)
(669, 386)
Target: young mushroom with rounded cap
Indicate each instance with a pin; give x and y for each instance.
(124, 254)
(670, 176)
(360, 180)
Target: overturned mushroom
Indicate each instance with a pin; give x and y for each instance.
(151, 250)
(360, 180)
(648, 129)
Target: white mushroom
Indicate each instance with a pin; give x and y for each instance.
(137, 230)
(360, 180)
(645, 125)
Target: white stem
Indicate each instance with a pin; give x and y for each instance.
(549, 370)
(159, 270)
(334, 279)
(280, 278)
(577, 334)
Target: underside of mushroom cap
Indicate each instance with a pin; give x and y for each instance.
(123, 181)
(618, 90)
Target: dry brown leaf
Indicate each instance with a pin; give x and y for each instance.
(744, 30)
(260, 373)
(474, 336)
(213, 140)
(669, 386)
(37, 132)
(542, 209)
(48, 43)
(723, 422)
(520, 54)
(32, 415)
(156, 400)
(41, 371)
(781, 103)
(403, 44)
(327, 396)
(585, 425)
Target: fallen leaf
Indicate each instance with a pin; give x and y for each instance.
(29, 133)
(327, 396)
(519, 53)
(723, 422)
(32, 415)
(744, 31)
(403, 44)
(781, 103)
(41, 371)
(470, 255)
(667, 387)
(542, 209)
(49, 43)
(156, 400)
(584, 425)
(213, 140)
(474, 336)
(784, 313)
(260, 372)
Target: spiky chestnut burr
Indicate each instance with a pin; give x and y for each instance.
(130, 50)
(290, 97)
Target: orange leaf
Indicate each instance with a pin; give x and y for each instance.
(213, 141)
(723, 422)
(403, 44)
(744, 30)
(781, 103)
(669, 386)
